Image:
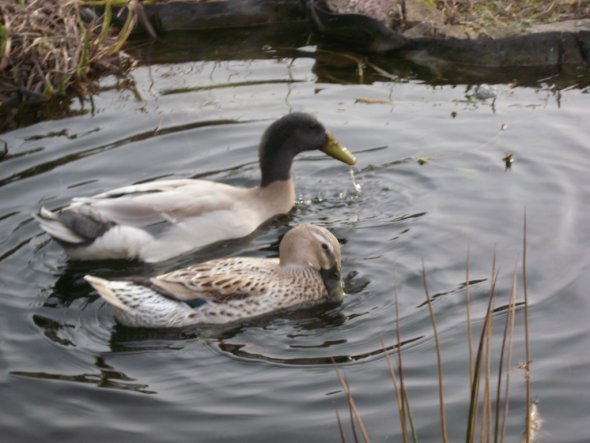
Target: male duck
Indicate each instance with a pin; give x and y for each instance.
(230, 289)
(117, 224)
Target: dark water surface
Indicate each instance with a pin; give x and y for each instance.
(433, 184)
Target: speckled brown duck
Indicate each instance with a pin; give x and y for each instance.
(222, 291)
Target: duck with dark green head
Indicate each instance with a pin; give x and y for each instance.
(112, 225)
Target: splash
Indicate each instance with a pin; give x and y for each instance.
(356, 185)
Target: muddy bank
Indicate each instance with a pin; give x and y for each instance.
(425, 39)
(565, 43)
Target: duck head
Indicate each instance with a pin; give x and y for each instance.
(290, 135)
(314, 247)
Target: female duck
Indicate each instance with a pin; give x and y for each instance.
(122, 223)
(231, 289)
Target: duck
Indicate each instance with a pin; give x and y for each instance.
(158, 220)
(228, 290)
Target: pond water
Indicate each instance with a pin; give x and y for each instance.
(432, 183)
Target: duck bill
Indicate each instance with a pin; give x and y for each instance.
(335, 150)
(333, 283)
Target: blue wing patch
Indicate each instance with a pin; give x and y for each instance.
(196, 303)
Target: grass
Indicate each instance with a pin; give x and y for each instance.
(486, 419)
(501, 13)
(48, 50)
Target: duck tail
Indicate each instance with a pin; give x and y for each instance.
(136, 305)
(103, 287)
(50, 222)
(74, 226)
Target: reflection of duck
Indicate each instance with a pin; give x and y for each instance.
(197, 212)
(226, 290)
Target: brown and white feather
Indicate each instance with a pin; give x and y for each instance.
(231, 289)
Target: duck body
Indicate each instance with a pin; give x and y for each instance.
(228, 290)
(158, 220)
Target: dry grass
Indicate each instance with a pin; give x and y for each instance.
(487, 415)
(500, 13)
(47, 50)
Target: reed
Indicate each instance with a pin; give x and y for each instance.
(441, 394)
(355, 416)
(488, 405)
(531, 413)
(48, 50)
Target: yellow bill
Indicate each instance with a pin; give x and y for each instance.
(335, 150)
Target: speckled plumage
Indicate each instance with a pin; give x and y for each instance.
(227, 290)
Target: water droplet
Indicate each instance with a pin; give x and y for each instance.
(357, 186)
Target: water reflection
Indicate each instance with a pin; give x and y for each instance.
(337, 64)
(52, 330)
(460, 288)
(42, 168)
(244, 351)
(108, 377)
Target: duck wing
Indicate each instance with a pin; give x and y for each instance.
(170, 208)
(219, 280)
(166, 200)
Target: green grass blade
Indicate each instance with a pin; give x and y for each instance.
(3, 44)
(84, 60)
(127, 26)
(106, 22)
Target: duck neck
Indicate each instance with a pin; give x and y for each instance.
(278, 196)
(275, 166)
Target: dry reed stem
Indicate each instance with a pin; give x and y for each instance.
(511, 316)
(403, 402)
(487, 422)
(400, 372)
(355, 415)
(396, 390)
(502, 351)
(469, 325)
(482, 356)
(340, 427)
(474, 396)
(526, 334)
(443, 421)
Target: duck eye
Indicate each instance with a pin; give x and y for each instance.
(325, 246)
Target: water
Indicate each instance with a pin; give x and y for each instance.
(430, 184)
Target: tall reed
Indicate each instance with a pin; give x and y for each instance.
(486, 419)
